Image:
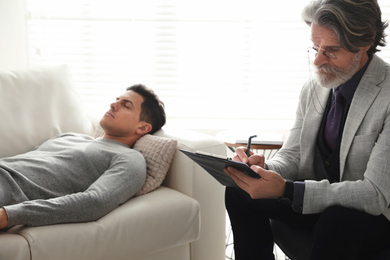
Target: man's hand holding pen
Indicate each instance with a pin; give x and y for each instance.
(241, 155)
(270, 185)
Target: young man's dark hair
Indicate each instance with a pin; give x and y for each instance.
(152, 109)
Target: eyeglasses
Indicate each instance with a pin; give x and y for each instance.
(313, 52)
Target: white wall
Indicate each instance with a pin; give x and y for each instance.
(13, 51)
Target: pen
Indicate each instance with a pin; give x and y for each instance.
(249, 144)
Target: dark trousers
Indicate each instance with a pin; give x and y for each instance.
(339, 232)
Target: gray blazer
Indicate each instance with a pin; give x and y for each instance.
(364, 153)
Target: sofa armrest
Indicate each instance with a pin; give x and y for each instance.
(189, 178)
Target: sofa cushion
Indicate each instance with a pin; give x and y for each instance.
(37, 104)
(142, 226)
(14, 246)
(158, 153)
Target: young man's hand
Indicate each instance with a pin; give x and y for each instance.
(3, 219)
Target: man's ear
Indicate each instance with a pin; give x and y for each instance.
(144, 128)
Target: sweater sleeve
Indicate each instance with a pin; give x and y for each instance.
(121, 181)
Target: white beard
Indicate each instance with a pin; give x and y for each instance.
(331, 76)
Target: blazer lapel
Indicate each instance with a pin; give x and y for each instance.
(364, 96)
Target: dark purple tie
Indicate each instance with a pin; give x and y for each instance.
(333, 121)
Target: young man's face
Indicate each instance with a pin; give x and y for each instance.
(123, 118)
(332, 72)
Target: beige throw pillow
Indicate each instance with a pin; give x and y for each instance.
(158, 153)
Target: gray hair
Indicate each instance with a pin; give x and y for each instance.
(356, 23)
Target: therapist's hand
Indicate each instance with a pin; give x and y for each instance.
(254, 159)
(270, 185)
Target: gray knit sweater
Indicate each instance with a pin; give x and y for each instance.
(70, 178)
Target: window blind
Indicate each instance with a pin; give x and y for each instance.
(215, 64)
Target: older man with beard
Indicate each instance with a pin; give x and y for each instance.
(332, 176)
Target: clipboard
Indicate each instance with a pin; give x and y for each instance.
(215, 165)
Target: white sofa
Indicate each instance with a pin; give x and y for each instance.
(183, 219)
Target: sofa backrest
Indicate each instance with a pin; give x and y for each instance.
(37, 104)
